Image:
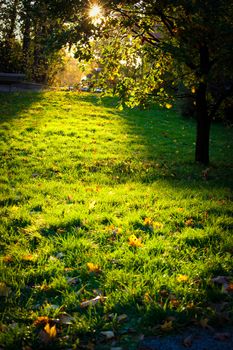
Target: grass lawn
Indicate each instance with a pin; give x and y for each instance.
(107, 225)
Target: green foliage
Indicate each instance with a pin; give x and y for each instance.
(79, 178)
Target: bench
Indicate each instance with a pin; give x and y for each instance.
(11, 78)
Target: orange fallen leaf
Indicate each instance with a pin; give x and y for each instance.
(41, 320)
(135, 242)
(7, 258)
(28, 257)
(229, 288)
(51, 331)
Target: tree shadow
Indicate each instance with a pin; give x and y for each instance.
(22, 101)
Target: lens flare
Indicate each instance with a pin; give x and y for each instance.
(95, 11)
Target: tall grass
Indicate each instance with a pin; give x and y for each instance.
(101, 203)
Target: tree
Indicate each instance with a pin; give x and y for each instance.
(34, 31)
(181, 41)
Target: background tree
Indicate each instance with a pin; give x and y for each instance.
(183, 42)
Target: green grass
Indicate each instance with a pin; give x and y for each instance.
(79, 178)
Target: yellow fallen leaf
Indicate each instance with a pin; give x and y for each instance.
(51, 331)
(135, 242)
(182, 278)
(93, 267)
(168, 105)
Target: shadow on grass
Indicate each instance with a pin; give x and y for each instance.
(168, 157)
(14, 103)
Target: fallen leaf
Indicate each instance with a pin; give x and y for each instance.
(92, 301)
(51, 331)
(41, 320)
(205, 325)
(92, 205)
(229, 288)
(108, 334)
(72, 280)
(4, 290)
(7, 259)
(148, 221)
(222, 336)
(135, 242)
(182, 278)
(189, 222)
(157, 225)
(122, 318)
(168, 105)
(93, 267)
(188, 341)
(28, 257)
(66, 319)
(220, 279)
(167, 326)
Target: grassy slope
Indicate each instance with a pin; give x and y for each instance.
(78, 179)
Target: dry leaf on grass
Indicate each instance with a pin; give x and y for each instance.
(4, 290)
(188, 341)
(108, 334)
(167, 326)
(92, 301)
(222, 336)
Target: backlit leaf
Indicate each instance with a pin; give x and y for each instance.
(135, 242)
(51, 331)
(182, 278)
(93, 267)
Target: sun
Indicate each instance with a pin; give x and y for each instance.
(95, 11)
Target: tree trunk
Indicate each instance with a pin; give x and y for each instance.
(203, 126)
(203, 117)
